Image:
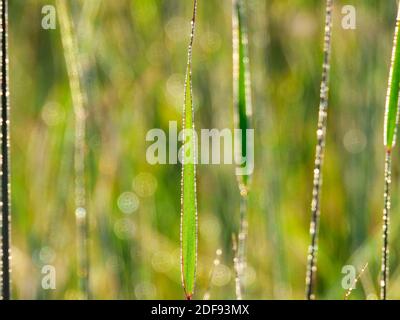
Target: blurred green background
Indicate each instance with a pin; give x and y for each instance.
(133, 54)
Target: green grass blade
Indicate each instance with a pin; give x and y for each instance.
(188, 183)
(241, 87)
(392, 99)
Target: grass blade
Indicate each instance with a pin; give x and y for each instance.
(79, 101)
(242, 120)
(392, 99)
(188, 183)
(390, 130)
(319, 156)
(5, 158)
(241, 87)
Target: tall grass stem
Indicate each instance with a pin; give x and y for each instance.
(242, 106)
(79, 100)
(319, 156)
(5, 159)
(385, 226)
(391, 121)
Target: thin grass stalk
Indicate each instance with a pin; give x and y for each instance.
(241, 249)
(385, 225)
(5, 159)
(216, 263)
(242, 120)
(238, 286)
(390, 130)
(319, 156)
(354, 284)
(189, 225)
(79, 101)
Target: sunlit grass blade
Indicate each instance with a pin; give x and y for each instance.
(79, 100)
(319, 156)
(392, 99)
(390, 130)
(242, 121)
(188, 183)
(5, 158)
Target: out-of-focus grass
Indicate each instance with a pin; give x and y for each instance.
(132, 54)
